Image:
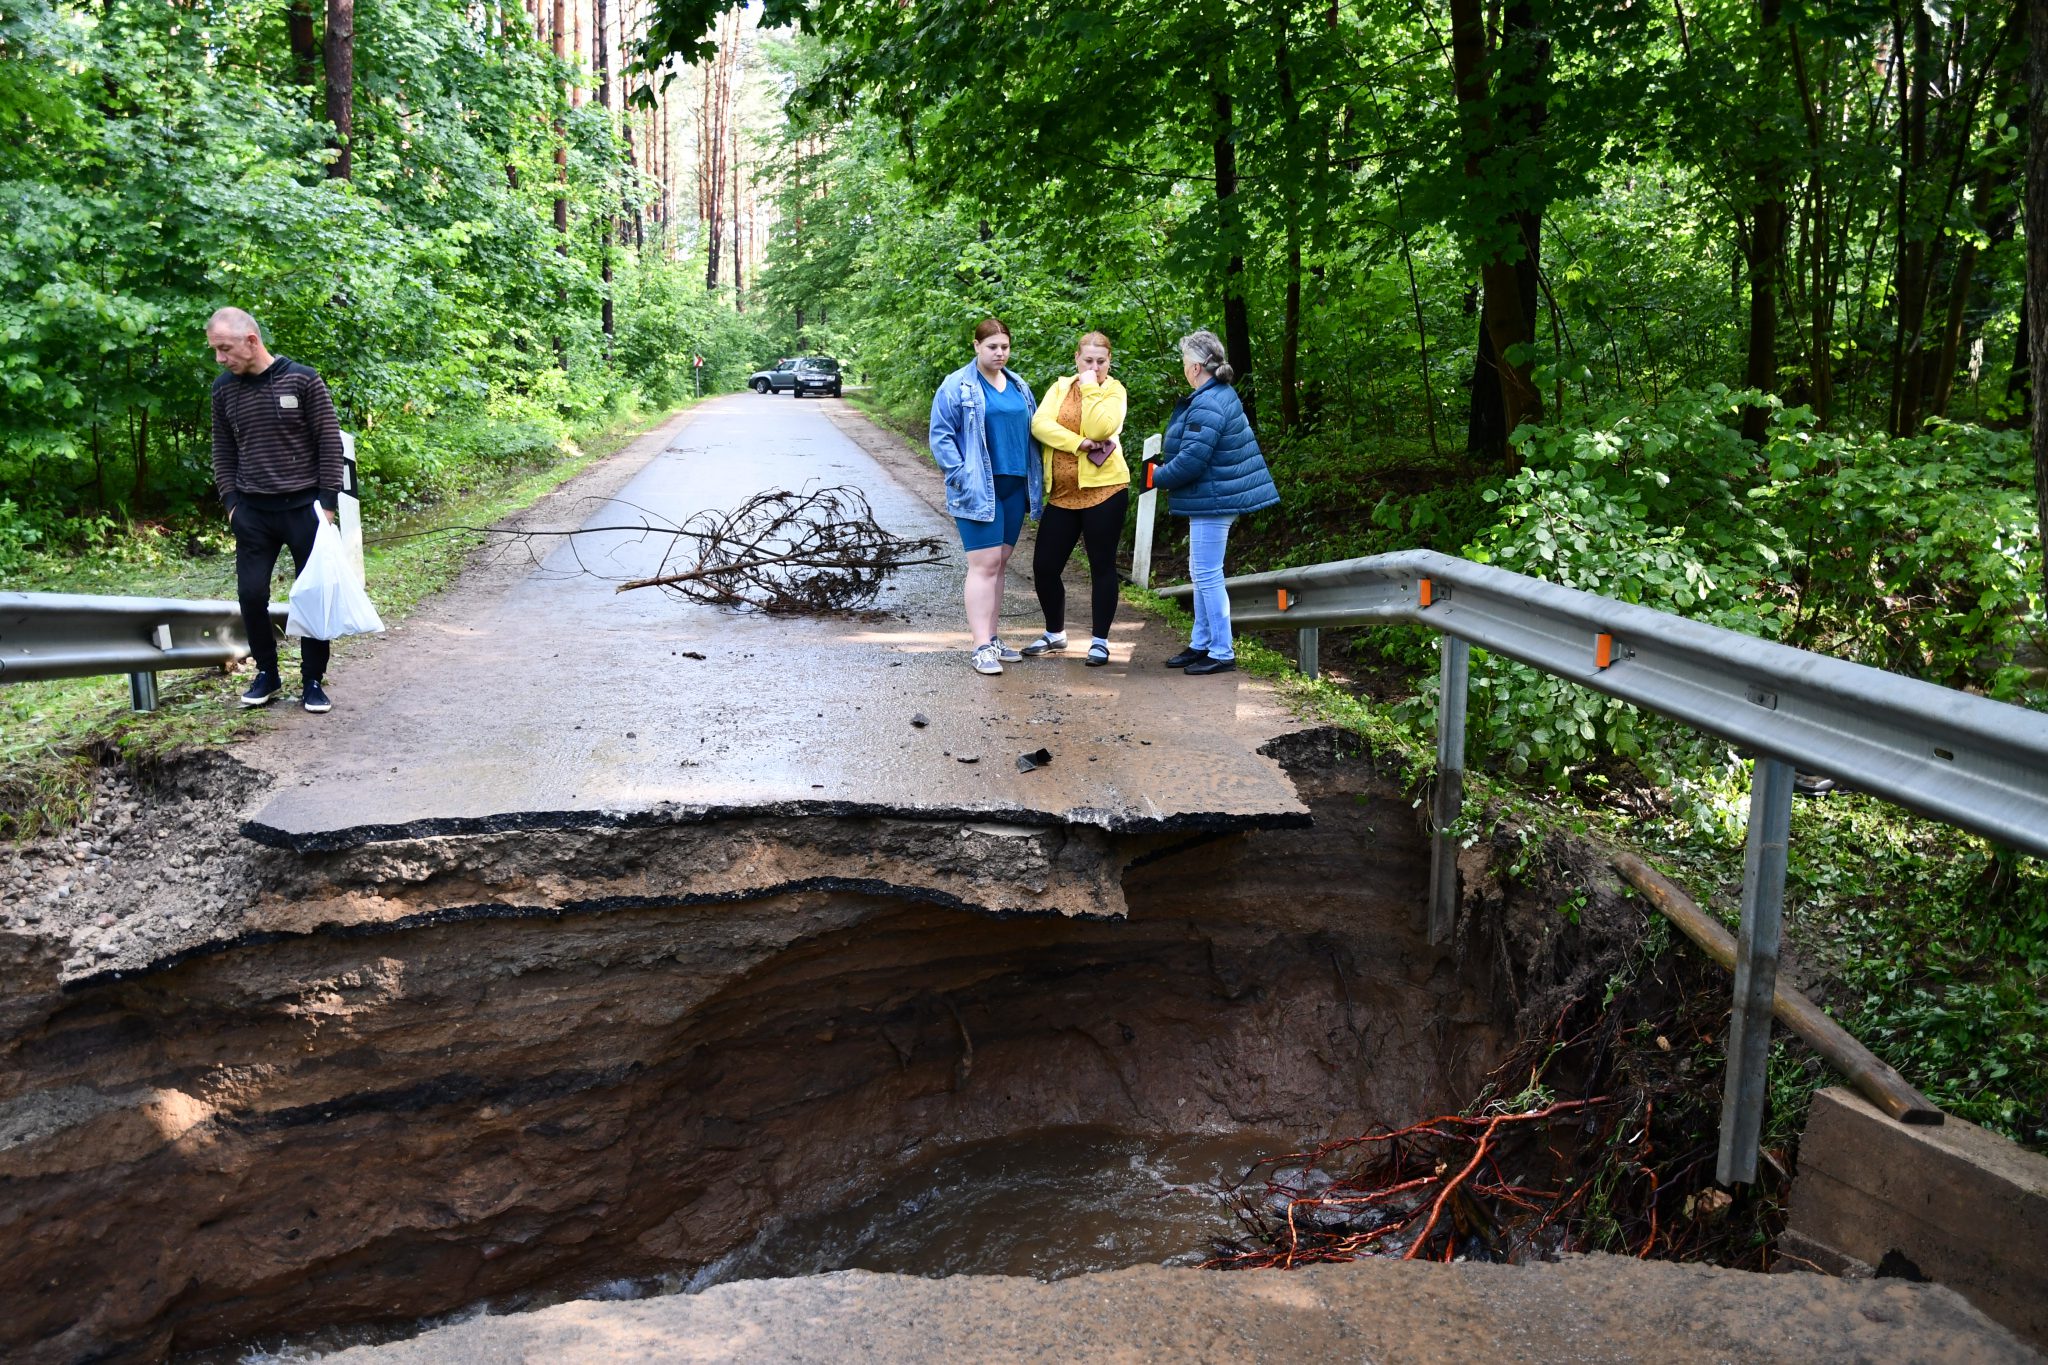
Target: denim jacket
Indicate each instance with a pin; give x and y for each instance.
(959, 442)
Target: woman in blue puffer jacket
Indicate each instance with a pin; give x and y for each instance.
(1211, 462)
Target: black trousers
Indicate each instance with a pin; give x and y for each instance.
(1060, 528)
(259, 535)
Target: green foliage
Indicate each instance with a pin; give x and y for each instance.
(1940, 948)
(1915, 555)
(168, 163)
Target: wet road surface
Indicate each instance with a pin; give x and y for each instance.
(547, 699)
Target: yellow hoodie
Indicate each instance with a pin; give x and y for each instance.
(1102, 417)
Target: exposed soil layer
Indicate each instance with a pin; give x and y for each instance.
(477, 1067)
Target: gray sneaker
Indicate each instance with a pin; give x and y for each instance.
(988, 658)
(1006, 654)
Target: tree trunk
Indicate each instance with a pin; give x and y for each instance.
(1766, 264)
(2037, 258)
(1820, 296)
(561, 37)
(739, 298)
(139, 431)
(300, 28)
(1766, 257)
(1912, 277)
(340, 54)
(1237, 322)
(1503, 396)
(611, 229)
(1290, 325)
(559, 27)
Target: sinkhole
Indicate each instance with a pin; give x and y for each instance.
(351, 1132)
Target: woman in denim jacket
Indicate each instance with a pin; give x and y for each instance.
(1211, 462)
(981, 439)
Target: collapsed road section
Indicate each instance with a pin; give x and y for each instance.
(592, 930)
(529, 1080)
(592, 937)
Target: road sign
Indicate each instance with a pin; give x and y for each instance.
(698, 362)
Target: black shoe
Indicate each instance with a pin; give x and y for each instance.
(314, 698)
(1187, 656)
(1208, 665)
(266, 686)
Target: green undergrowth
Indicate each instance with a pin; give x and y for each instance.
(52, 734)
(1925, 942)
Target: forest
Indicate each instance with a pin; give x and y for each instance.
(1720, 306)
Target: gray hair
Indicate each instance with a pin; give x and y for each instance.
(1203, 350)
(234, 320)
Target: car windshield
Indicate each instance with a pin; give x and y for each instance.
(827, 366)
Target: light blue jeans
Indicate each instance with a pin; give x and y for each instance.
(1207, 537)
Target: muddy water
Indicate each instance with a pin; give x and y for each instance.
(1048, 1205)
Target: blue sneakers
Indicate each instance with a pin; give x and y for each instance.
(314, 698)
(261, 691)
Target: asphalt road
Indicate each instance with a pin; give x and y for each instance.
(545, 698)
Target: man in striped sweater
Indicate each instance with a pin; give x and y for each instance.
(277, 463)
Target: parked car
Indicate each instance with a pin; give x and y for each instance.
(780, 376)
(818, 375)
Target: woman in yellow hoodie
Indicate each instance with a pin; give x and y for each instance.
(1087, 489)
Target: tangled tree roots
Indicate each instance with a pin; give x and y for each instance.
(784, 552)
(1446, 1187)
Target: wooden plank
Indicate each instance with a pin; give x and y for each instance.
(1862, 1068)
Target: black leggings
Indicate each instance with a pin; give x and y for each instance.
(259, 535)
(1100, 527)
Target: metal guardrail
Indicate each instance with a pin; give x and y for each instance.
(46, 635)
(1965, 760)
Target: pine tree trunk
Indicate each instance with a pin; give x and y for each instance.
(560, 27)
(2037, 258)
(612, 228)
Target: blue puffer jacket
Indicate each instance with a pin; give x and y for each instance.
(1210, 459)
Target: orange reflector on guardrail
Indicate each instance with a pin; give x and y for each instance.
(1285, 600)
(1603, 650)
(1422, 591)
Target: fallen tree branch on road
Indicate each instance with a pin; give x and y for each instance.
(783, 552)
(780, 552)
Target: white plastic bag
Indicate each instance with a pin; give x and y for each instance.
(327, 601)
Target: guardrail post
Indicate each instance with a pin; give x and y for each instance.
(1448, 796)
(1148, 515)
(1756, 969)
(142, 691)
(1308, 651)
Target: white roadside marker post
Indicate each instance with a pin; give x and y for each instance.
(1148, 514)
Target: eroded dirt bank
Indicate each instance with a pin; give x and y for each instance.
(391, 1114)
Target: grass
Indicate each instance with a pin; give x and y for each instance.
(53, 733)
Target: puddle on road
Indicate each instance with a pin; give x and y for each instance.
(1049, 1205)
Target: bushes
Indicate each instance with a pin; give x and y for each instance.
(1913, 555)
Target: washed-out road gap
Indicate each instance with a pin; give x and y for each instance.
(553, 701)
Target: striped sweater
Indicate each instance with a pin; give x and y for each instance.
(275, 438)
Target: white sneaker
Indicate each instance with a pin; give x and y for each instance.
(1007, 654)
(1048, 643)
(988, 658)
